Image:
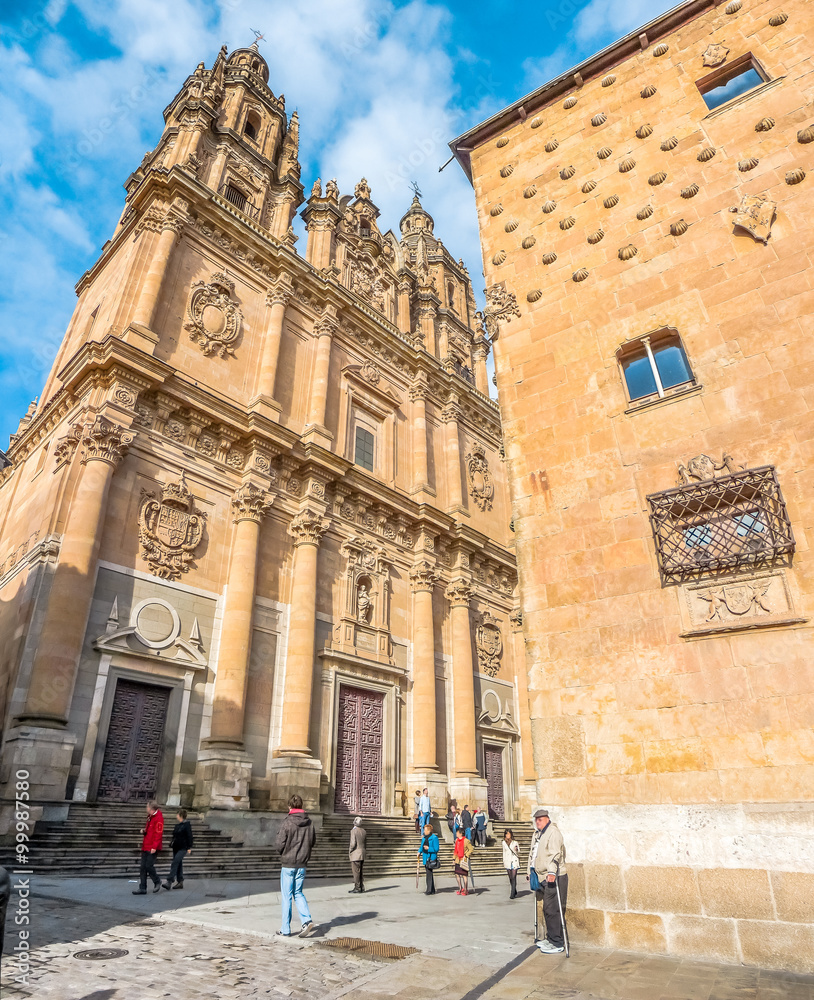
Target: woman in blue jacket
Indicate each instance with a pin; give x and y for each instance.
(429, 857)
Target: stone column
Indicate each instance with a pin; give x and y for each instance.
(521, 679)
(277, 300)
(224, 768)
(403, 315)
(480, 352)
(427, 310)
(324, 331)
(466, 782)
(62, 633)
(294, 768)
(452, 448)
(418, 398)
(171, 228)
(423, 579)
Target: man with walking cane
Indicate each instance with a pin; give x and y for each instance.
(549, 878)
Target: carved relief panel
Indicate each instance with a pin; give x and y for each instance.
(170, 529)
(737, 602)
(214, 316)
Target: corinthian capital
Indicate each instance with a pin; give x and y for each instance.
(250, 503)
(459, 593)
(104, 441)
(423, 577)
(308, 527)
(280, 292)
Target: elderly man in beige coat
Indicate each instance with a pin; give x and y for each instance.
(547, 858)
(356, 853)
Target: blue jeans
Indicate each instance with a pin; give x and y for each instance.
(423, 819)
(291, 881)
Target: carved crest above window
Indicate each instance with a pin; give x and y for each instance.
(489, 644)
(715, 54)
(481, 484)
(170, 529)
(214, 316)
(755, 214)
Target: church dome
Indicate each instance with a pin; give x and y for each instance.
(417, 219)
(249, 58)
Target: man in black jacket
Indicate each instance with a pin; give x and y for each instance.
(295, 841)
(466, 822)
(180, 846)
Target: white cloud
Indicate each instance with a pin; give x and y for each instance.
(616, 18)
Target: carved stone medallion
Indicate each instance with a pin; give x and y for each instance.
(481, 484)
(702, 468)
(755, 214)
(489, 644)
(715, 54)
(214, 316)
(170, 529)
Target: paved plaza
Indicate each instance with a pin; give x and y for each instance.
(216, 938)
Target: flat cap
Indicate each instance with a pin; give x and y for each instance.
(540, 813)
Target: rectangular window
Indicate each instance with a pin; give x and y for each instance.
(655, 365)
(365, 443)
(237, 198)
(732, 81)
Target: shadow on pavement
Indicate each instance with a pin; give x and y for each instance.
(496, 977)
(353, 918)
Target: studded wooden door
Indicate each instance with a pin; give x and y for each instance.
(359, 752)
(135, 743)
(493, 757)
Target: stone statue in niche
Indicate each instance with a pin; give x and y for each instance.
(364, 604)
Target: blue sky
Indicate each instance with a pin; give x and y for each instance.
(380, 87)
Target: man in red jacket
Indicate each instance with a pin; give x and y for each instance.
(153, 841)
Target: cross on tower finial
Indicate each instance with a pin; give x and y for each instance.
(416, 189)
(258, 36)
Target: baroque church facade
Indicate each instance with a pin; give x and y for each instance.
(257, 534)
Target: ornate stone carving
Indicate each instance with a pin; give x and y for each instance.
(370, 373)
(568, 172)
(488, 644)
(481, 484)
(214, 317)
(280, 292)
(535, 295)
(776, 20)
(549, 257)
(755, 214)
(364, 603)
(611, 201)
(511, 225)
(661, 50)
(690, 191)
(648, 91)
(501, 306)
(516, 619)
(702, 467)
(308, 527)
(499, 257)
(658, 178)
(423, 577)
(169, 529)
(250, 503)
(643, 131)
(529, 242)
(570, 102)
(644, 213)
(745, 602)
(627, 165)
(367, 281)
(765, 125)
(706, 154)
(507, 171)
(715, 54)
(551, 145)
(459, 593)
(495, 211)
(567, 223)
(679, 228)
(748, 164)
(530, 191)
(669, 144)
(599, 119)
(604, 153)
(628, 252)
(66, 446)
(796, 176)
(596, 237)
(580, 275)
(104, 441)
(549, 206)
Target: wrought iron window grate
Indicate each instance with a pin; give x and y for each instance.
(720, 524)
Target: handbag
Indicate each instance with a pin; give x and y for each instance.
(432, 861)
(534, 881)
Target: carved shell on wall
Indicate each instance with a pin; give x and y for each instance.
(648, 91)
(551, 145)
(778, 19)
(609, 80)
(530, 191)
(529, 242)
(580, 275)
(599, 119)
(690, 192)
(611, 201)
(796, 176)
(536, 122)
(511, 225)
(497, 210)
(749, 164)
(570, 102)
(502, 141)
(534, 295)
(643, 131)
(628, 252)
(588, 186)
(596, 237)
(661, 49)
(627, 165)
(678, 228)
(507, 171)
(806, 135)
(657, 179)
(604, 153)
(568, 223)
(644, 213)
(765, 125)
(669, 144)
(549, 207)
(706, 154)
(499, 257)
(568, 172)
(549, 258)
(733, 7)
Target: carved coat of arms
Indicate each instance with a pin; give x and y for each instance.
(481, 484)
(737, 600)
(170, 529)
(715, 54)
(489, 644)
(756, 214)
(214, 317)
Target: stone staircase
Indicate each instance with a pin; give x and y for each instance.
(102, 841)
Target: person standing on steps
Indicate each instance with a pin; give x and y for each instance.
(479, 822)
(547, 858)
(429, 857)
(151, 844)
(295, 841)
(424, 809)
(180, 847)
(356, 853)
(453, 820)
(416, 810)
(511, 860)
(466, 822)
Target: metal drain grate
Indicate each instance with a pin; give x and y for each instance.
(369, 949)
(100, 954)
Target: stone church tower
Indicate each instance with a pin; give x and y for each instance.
(256, 531)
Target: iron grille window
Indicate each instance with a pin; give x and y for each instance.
(365, 442)
(237, 198)
(720, 524)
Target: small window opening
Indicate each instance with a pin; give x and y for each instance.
(733, 81)
(236, 197)
(655, 366)
(252, 127)
(365, 443)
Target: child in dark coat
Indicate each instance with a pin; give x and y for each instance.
(181, 845)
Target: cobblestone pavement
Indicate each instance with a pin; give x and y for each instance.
(176, 950)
